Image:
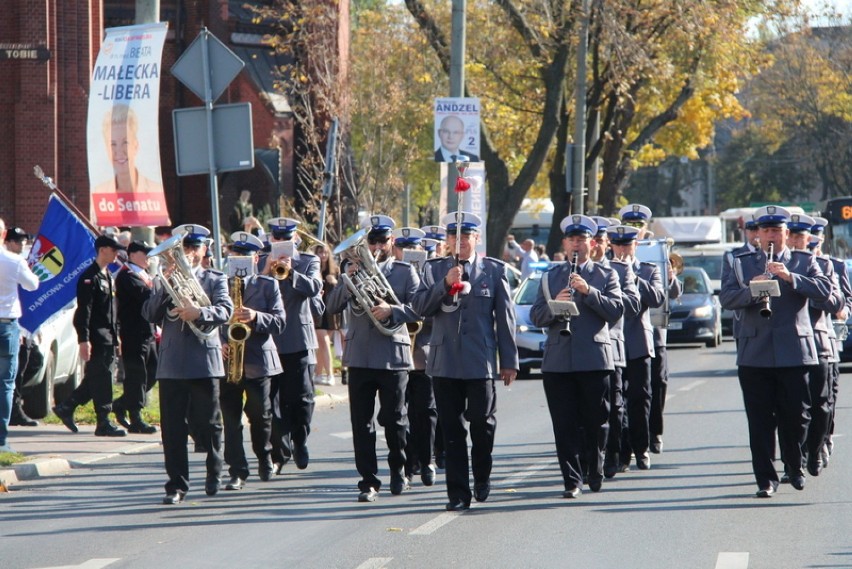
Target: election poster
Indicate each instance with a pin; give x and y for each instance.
(456, 129)
(123, 128)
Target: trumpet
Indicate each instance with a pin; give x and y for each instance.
(238, 333)
(279, 270)
(566, 329)
(766, 309)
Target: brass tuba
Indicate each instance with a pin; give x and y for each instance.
(238, 333)
(180, 284)
(368, 284)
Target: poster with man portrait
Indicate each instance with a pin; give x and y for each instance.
(123, 136)
(456, 129)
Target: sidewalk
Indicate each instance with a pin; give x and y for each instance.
(52, 450)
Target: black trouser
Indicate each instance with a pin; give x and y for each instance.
(775, 396)
(579, 411)
(24, 354)
(258, 408)
(97, 381)
(363, 385)
(832, 402)
(659, 386)
(460, 401)
(292, 396)
(616, 411)
(819, 388)
(636, 381)
(422, 420)
(140, 373)
(197, 399)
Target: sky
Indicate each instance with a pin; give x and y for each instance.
(842, 6)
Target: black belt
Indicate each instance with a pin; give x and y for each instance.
(8, 320)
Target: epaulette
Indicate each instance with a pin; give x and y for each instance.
(803, 252)
(215, 272)
(745, 254)
(266, 277)
(497, 262)
(647, 263)
(403, 263)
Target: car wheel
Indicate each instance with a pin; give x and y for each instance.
(38, 400)
(716, 341)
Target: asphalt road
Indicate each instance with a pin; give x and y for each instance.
(695, 508)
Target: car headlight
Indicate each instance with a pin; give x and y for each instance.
(523, 328)
(703, 311)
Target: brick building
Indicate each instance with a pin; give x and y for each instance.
(47, 52)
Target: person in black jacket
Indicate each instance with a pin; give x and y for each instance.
(139, 349)
(96, 325)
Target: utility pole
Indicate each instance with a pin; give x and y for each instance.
(147, 12)
(579, 153)
(457, 51)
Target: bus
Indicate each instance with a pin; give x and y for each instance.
(838, 234)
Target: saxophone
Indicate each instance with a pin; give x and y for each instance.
(238, 333)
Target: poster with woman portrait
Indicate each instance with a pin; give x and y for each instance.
(123, 138)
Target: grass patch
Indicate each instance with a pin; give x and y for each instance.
(85, 414)
(10, 458)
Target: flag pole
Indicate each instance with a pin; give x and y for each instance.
(47, 181)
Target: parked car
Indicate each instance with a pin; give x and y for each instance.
(513, 275)
(696, 315)
(54, 368)
(710, 258)
(530, 338)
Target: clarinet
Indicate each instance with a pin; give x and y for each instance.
(566, 329)
(766, 309)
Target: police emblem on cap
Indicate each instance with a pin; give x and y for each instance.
(406, 232)
(190, 229)
(243, 237)
(620, 230)
(770, 209)
(375, 220)
(576, 219)
(636, 208)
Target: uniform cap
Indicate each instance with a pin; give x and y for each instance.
(771, 216)
(469, 222)
(800, 223)
(138, 246)
(405, 236)
(434, 232)
(820, 223)
(17, 234)
(578, 225)
(635, 212)
(603, 223)
(378, 225)
(192, 234)
(622, 234)
(283, 227)
(244, 243)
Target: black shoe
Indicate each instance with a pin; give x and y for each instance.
(610, 468)
(20, 419)
(399, 484)
(457, 505)
(440, 460)
(369, 495)
(264, 470)
(785, 478)
(142, 428)
(278, 468)
(211, 487)
(107, 429)
(643, 460)
(174, 497)
(657, 444)
(344, 376)
(301, 456)
(595, 484)
(427, 475)
(235, 483)
(797, 481)
(824, 455)
(481, 491)
(120, 414)
(572, 493)
(814, 464)
(766, 492)
(66, 414)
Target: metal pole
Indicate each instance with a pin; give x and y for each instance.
(593, 173)
(406, 213)
(457, 51)
(147, 11)
(580, 113)
(211, 154)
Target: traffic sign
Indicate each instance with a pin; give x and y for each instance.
(223, 64)
(233, 145)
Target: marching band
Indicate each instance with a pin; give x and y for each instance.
(431, 329)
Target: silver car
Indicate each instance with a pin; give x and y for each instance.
(530, 338)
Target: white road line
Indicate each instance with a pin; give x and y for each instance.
(346, 436)
(375, 563)
(526, 473)
(732, 560)
(90, 564)
(692, 385)
(435, 523)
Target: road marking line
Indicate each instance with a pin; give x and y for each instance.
(732, 560)
(375, 563)
(346, 435)
(435, 523)
(90, 564)
(692, 385)
(526, 473)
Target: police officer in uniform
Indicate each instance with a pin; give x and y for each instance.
(190, 367)
(578, 353)
(97, 332)
(639, 345)
(262, 311)
(293, 388)
(138, 347)
(632, 305)
(467, 295)
(774, 349)
(378, 362)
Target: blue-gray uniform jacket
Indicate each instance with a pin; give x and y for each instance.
(588, 347)
(366, 346)
(727, 266)
(821, 314)
(661, 334)
(785, 339)
(466, 343)
(182, 354)
(632, 306)
(638, 331)
(298, 292)
(261, 294)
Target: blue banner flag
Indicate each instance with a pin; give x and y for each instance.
(63, 248)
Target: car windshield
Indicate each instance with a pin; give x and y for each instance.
(693, 283)
(712, 264)
(528, 291)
